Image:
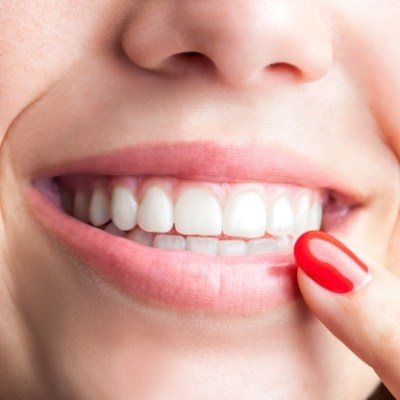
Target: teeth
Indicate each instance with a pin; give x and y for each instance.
(245, 215)
(156, 211)
(301, 212)
(247, 224)
(202, 245)
(280, 221)
(232, 248)
(123, 208)
(81, 205)
(169, 242)
(198, 212)
(99, 208)
(265, 246)
(315, 220)
(140, 236)
(113, 230)
(261, 246)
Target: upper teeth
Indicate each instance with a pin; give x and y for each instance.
(243, 211)
(198, 212)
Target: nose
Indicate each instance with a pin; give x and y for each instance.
(244, 40)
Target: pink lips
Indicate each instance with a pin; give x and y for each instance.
(239, 285)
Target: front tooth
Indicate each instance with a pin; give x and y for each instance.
(232, 248)
(156, 211)
(202, 245)
(245, 215)
(302, 214)
(169, 242)
(140, 236)
(280, 219)
(315, 219)
(198, 212)
(99, 208)
(123, 208)
(81, 206)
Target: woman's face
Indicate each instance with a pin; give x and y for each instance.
(237, 121)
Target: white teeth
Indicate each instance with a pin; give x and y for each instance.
(261, 246)
(198, 212)
(280, 220)
(140, 236)
(202, 225)
(202, 245)
(232, 248)
(245, 215)
(123, 208)
(269, 245)
(113, 230)
(301, 214)
(315, 220)
(99, 208)
(169, 242)
(81, 206)
(156, 211)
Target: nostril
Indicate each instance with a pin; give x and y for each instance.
(283, 68)
(190, 54)
(188, 63)
(194, 57)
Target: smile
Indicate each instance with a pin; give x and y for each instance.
(179, 226)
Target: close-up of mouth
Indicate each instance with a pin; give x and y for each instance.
(199, 200)
(166, 227)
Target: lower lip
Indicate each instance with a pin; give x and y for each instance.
(176, 279)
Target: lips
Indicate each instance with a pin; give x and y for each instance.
(180, 279)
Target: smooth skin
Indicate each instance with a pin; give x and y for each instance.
(83, 77)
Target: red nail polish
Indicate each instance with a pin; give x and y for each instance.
(329, 263)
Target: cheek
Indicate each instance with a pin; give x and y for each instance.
(41, 40)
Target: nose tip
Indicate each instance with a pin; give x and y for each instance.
(244, 40)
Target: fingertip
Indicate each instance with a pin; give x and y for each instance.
(329, 262)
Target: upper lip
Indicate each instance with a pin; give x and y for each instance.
(213, 162)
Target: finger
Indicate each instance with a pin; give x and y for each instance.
(359, 304)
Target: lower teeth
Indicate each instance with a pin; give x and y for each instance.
(205, 245)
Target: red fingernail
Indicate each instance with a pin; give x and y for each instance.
(329, 263)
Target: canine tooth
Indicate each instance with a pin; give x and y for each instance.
(302, 214)
(169, 242)
(156, 211)
(140, 236)
(113, 230)
(81, 206)
(245, 215)
(231, 248)
(123, 208)
(99, 208)
(202, 245)
(315, 219)
(280, 220)
(198, 212)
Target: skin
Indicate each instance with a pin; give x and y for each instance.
(70, 74)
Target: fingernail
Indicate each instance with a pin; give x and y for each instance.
(329, 262)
